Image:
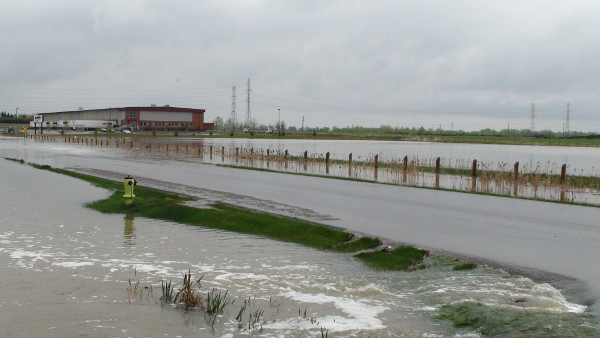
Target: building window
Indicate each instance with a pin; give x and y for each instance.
(132, 114)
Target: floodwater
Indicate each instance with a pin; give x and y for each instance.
(69, 268)
(274, 154)
(579, 160)
(541, 159)
(65, 271)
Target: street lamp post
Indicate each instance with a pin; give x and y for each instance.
(279, 124)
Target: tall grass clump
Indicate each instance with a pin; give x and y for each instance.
(216, 301)
(168, 295)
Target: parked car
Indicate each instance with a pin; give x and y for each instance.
(126, 131)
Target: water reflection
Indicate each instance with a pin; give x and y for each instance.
(129, 233)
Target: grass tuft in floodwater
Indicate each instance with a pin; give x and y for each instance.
(464, 266)
(216, 301)
(401, 258)
(168, 292)
(489, 321)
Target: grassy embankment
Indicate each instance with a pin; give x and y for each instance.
(156, 204)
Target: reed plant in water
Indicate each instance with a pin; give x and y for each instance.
(188, 297)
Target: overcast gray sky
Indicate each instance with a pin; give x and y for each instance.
(470, 64)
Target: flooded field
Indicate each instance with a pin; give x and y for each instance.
(550, 173)
(66, 272)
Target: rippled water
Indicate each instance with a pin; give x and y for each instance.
(65, 271)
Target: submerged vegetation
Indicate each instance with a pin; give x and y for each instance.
(495, 321)
(402, 256)
(464, 266)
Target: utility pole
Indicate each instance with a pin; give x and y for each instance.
(568, 117)
(532, 127)
(279, 123)
(248, 115)
(302, 122)
(508, 130)
(233, 117)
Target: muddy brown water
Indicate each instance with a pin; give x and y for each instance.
(66, 270)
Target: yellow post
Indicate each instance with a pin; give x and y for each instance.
(128, 184)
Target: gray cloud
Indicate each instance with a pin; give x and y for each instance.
(336, 62)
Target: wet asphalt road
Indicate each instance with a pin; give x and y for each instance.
(529, 235)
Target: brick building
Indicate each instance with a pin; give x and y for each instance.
(138, 118)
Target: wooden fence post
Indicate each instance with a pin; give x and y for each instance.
(376, 164)
(327, 163)
(437, 173)
(516, 170)
(474, 176)
(305, 159)
(563, 172)
(350, 165)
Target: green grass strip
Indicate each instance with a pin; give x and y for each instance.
(161, 205)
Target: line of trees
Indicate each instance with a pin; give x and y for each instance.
(226, 126)
(14, 118)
